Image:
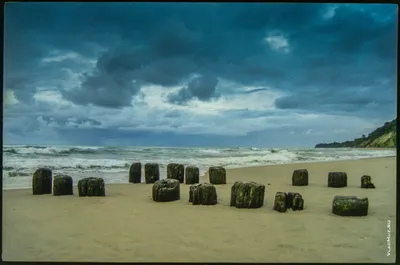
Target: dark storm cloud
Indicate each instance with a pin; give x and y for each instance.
(202, 88)
(341, 63)
(164, 43)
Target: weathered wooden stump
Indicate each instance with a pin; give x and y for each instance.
(91, 187)
(42, 181)
(337, 179)
(350, 206)
(300, 177)
(192, 175)
(135, 173)
(298, 203)
(366, 182)
(247, 194)
(151, 172)
(176, 171)
(63, 185)
(203, 194)
(217, 175)
(289, 199)
(280, 202)
(166, 190)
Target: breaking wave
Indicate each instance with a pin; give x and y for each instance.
(21, 161)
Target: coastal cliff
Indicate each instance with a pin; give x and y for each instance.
(383, 137)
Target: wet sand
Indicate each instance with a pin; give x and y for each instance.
(127, 226)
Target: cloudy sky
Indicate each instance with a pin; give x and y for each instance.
(197, 74)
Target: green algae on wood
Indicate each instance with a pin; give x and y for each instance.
(151, 173)
(42, 181)
(217, 175)
(203, 194)
(289, 199)
(176, 171)
(166, 190)
(280, 202)
(366, 182)
(63, 185)
(135, 173)
(297, 203)
(247, 194)
(192, 175)
(91, 186)
(350, 206)
(300, 177)
(337, 179)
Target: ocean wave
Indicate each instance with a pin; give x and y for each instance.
(18, 174)
(116, 161)
(52, 151)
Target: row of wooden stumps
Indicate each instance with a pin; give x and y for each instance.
(217, 175)
(244, 194)
(63, 184)
(335, 179)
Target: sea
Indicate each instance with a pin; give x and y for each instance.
(112, 163)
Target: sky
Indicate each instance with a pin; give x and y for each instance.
(197, 74)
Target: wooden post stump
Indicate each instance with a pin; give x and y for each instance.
(337, 179)
(289, 199)
(42, 181)
(300, 177)
(151, 173)
(192, 175)
(166, 190)
(366, 182)
(247, 194)
(135, 173)
(298, 203)
(217, 175)
(63, 185)
(176, 171)
(91, 187)
(280, 202)
(203, 194)
(350, 206)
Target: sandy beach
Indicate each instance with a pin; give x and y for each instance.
(127, 226)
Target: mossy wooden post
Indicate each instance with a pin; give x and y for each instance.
(91, 187)
(280, 202)
(151, 172)
(95, 187)
(289, 199)
(135, 173)
(42, 181)
(166, 190)
(203, 194)
(298, 203)
(176, 171)
(63, 185)
(217, 175)
(350, 206)
(300, 177)
(366, 182)
(192, 175)
(337, 179)
(247, 194)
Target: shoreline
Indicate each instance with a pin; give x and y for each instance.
(205, 174)
(128, 226)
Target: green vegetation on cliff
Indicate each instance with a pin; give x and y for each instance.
(384, 136)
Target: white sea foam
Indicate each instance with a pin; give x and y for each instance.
(112, 163)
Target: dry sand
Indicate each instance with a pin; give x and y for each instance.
(127, 226)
